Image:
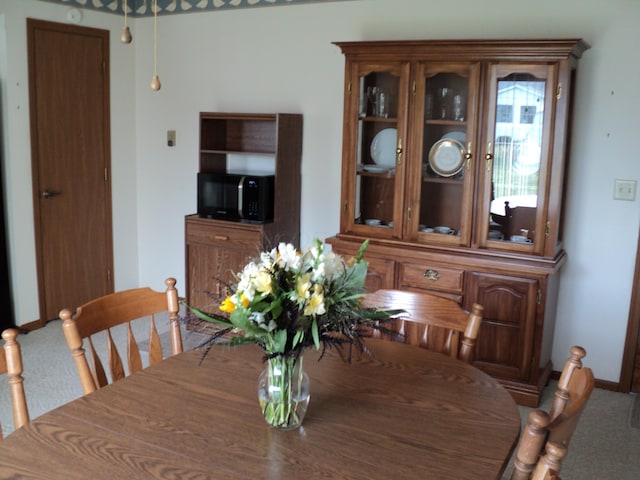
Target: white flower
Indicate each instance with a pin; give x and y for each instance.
(288, 257)
(245, 283)
(260, 321)
(328, 266)
(333, 265)
(319, 273)
(316, 251)
(267, 259)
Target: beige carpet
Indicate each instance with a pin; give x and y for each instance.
(634, 418)
(604, 446)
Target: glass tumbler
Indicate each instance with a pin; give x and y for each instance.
(444, 102)
(458, 108)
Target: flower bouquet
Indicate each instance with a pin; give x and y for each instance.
(290, 300)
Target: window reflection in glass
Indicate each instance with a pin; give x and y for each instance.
(517, 147)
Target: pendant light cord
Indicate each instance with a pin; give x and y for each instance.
(155, 37)
(155, 81)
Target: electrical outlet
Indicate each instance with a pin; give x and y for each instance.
(171, 138)
(624, 190)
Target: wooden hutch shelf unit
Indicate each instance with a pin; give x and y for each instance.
(217, 249)
(454, 160)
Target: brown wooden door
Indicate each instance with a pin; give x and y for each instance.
(70, 143)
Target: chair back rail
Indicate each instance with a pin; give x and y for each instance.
(432, 322)
(115, 309)
(11, 364)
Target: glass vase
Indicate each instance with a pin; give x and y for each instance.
(283, 392)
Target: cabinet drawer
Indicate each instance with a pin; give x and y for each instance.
(224, 237)
(430, 277)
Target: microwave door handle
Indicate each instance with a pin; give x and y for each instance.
(240, 196)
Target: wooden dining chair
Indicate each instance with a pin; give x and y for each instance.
(432, 322)
(548, 466)
(120, 308)
(11, 364)
(558, 425)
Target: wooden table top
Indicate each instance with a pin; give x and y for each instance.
(405, 413)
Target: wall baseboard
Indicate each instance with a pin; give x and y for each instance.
(604, 384)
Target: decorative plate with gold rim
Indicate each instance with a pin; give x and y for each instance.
(446, 157)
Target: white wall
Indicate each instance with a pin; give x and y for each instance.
(280, 59)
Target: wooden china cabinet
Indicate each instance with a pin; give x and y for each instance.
(454, 161)
(252, 144)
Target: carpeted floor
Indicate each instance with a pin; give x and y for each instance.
(605, 446)
(634, 418)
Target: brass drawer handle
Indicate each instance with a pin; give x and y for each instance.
(431, 274)
(224, 238)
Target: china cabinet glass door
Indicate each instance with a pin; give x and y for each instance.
(444, 170)
(520, 112)
(378, 131)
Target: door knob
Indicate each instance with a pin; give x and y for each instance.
(49, 193)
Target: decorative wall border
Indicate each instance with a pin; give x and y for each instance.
(143, 8)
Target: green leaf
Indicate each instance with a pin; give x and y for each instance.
(314, 333)
(279, 341)
(380, 314)
(357, 275)
(209, 318)
(297, 338)
(240, 320)
(276, 309)
(360, 255)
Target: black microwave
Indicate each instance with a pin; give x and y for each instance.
(231, 196)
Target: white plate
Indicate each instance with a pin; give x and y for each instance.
(496, 235)
(383, 147)
(375, 168)
(446, 157)
(443, 230)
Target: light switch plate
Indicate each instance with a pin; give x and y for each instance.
(624, 190)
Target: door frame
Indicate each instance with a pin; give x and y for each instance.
(632, 340)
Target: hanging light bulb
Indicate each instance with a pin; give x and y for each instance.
(125, 36)
(155, 81)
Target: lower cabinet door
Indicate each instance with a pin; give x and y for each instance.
(380, 274)
(506, 338)
(211, 271)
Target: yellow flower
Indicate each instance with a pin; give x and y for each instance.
(302, 287)
(263, 282)
(244, 300)
(315, 306)
(227, 305)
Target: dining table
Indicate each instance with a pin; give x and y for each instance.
(396, 412)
